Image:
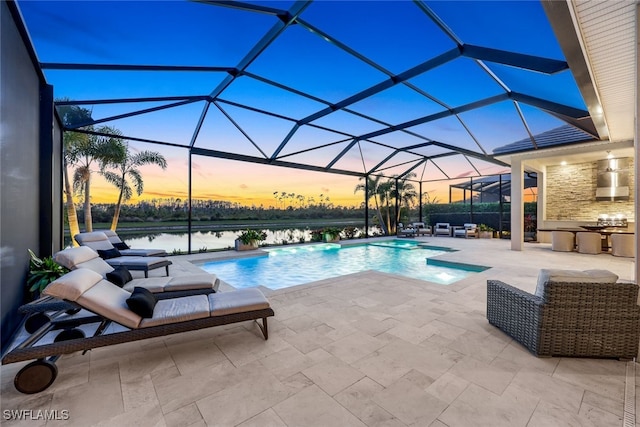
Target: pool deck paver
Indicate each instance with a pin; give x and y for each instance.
(368, 349)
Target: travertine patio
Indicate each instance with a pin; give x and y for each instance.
(367, 349)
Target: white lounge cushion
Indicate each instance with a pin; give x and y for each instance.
(573, 276)
(73, 284)
(114, 238)
(110, 301)
(152, 284)
(178, 310)
(96, 240)
(192, 281)
(180, 283)
(133, 261)
(223, 303)
(71, 257)
(82, 257)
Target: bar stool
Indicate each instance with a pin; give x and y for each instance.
(589, 243)
(623, 245)
(563, 241)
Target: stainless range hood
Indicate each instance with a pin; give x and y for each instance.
(613, 179)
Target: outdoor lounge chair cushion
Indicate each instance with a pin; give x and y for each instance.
(178, 310)
(88, 289)
(125, 250)
(142, 302)
(96, 240)
(82, 256)
(91, 291)
(224, 303)
(572, 276)
(85, 257)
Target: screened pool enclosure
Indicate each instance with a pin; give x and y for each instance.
(416, 90)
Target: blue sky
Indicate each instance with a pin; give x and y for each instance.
(369, 40)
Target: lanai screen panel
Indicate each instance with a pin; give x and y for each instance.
(352, 87)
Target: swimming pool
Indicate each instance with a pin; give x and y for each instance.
(284, 267)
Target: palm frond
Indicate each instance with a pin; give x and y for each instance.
(138, 183)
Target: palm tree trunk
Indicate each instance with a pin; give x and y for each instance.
(388, 216)
(379, 212)
(116, 213)
(72, 216)
(88, 221)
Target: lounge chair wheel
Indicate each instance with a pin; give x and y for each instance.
(35, 377)
(35, 322)
(69, 334)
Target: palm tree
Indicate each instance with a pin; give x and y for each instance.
(70, 115)
(128, 168)
(95, 149)
(385, 191)
(373, 192)
(405, 192)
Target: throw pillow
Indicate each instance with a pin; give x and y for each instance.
(142, 302)
(121, 246)
(120, 276)
(109, 253)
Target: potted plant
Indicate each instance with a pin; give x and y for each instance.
(317, 235)
(42, 272)
(485, 232)
(530, 226)
(249, 239)
(331, 234)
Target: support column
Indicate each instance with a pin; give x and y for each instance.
(366, 206)
(517, 205)
(541, 212)
(189, 211)
(421, 219)
(636, 272)
(471, 200)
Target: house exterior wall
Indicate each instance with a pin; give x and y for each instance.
(571, 194)
(29, 168)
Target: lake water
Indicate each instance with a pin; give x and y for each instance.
(202, 241)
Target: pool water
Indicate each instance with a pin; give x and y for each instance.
(284, 267)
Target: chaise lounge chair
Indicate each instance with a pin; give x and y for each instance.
(125, 250)
(109, 304)
(85, 257)
(99, 242)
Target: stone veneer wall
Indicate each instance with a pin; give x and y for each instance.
(571, 194)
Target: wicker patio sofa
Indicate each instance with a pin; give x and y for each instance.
(577, 314)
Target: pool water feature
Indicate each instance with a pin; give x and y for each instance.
(290, 266)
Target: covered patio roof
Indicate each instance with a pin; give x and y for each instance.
(356, 88)
(495, 185)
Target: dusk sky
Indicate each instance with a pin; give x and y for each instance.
(337, 50)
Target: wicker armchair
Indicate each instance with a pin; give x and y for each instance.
(570, 318)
